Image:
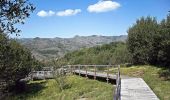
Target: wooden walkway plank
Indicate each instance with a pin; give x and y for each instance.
(136, 89)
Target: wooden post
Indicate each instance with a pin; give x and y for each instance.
(119, 82)
(86, 71)
(116, 90)
(119, 70)
(107, 75)
(70, 69)
(94, 72)
(44, 74)
(79, 70)
(73, 69)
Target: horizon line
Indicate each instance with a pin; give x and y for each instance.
(19, 37)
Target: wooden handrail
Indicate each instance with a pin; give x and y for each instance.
(92, 65)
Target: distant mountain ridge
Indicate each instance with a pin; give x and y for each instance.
(49, 48)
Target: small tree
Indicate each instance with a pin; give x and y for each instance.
(59, 74)
(16, 61)
(61, 79)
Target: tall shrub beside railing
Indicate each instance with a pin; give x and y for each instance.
(61, 79)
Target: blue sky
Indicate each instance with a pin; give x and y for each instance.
(67, 18)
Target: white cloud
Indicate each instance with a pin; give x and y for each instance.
(68, 12)
(103, 6)
(51, 13)
(43, 13)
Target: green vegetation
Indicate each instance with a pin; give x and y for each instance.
(113, 53)
(79, 88)
(149, 41)
(61, 79)
(51, 48)
(16, 62)
(153, 76)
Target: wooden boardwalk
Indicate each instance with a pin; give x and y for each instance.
(136, 89)
(127, 88)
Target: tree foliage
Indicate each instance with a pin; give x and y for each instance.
(140, 39)
(13, 12)
(164, 42)
(15, 61)
(149, 41)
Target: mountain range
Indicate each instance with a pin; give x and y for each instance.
(51, 48)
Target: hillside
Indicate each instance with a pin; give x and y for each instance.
(112, 53)
(48, 48)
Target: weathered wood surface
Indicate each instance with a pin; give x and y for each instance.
(97, 74)
(136, 89)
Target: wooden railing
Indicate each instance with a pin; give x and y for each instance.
(94, 67)
(117, 95)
